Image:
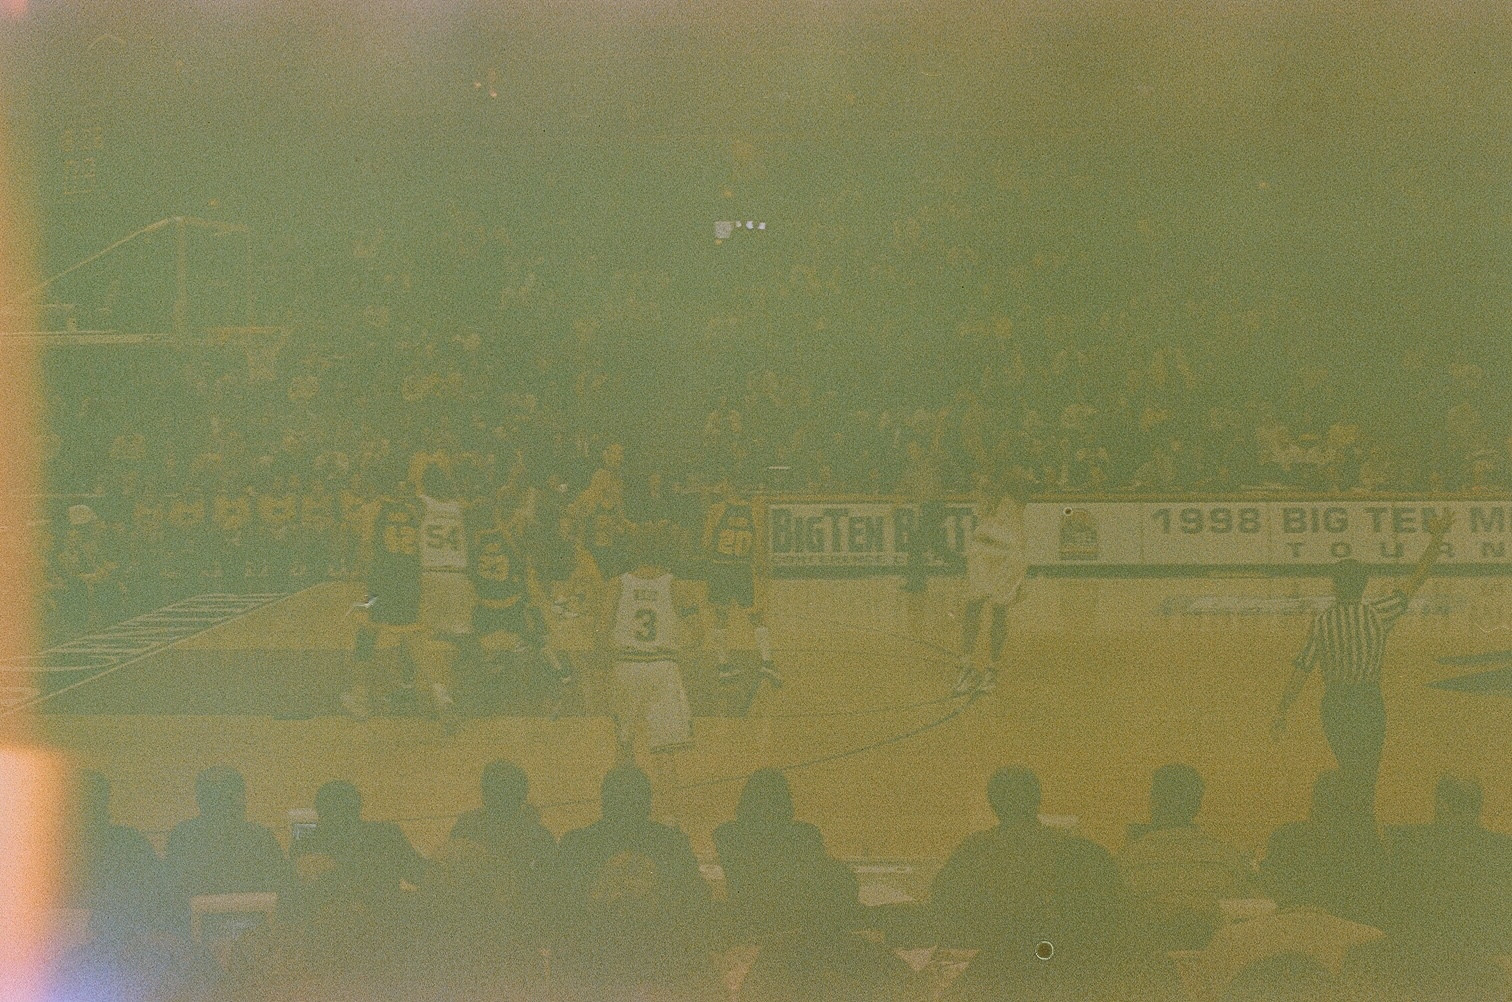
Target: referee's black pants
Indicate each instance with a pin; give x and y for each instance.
(1354, 721)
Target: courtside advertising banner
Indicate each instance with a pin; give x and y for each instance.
(877, 534)
(1278, 533)
(865, 534)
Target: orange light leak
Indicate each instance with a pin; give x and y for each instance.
(33, 789)
(13, 8)
(32, 782)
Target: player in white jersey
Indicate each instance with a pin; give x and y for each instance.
(446, 592)
(643, 631)
(996, 566)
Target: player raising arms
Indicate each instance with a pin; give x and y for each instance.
(996, 566)
(729, 543)
(642, 630)
(391, 551)
(507, 615)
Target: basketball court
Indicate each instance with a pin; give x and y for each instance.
(1107, 679)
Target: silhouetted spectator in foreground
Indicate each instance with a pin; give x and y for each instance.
(114, 870)
(631, 905)
(507, 825)
(1394, 970)
(220, 851)
(371, 860)
(796, 903)
(1175, 872)
(1452, 878)
(778, 875)
(1450, 904)
(116, 874)
(1333, 860)
(350, 908)
(518, 855)
(1011, 888)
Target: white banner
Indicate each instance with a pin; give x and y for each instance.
(1266, 532)
(857, 534)
(875, 534)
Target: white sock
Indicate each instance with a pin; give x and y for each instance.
(721, 644)
(763, 642)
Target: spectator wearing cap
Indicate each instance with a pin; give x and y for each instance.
(93, 587)
(1175, 872)
(219, 851)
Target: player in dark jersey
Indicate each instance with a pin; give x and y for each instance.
(507, 616)
(729, 543)
(393, 605)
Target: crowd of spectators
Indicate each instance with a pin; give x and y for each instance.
(809, 359)
(223, 478)
(1338, 907)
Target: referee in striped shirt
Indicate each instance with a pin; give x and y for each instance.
(1346, 642)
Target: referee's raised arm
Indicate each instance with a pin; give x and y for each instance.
(1347, 639)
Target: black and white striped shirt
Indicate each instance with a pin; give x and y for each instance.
(1347, 641)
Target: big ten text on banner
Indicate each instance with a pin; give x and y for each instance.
(863, 535)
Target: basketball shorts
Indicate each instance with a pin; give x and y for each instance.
(395, 603)
(446, 602)
(652, 698)
(732, 584)
(997, 581)
(521, 619)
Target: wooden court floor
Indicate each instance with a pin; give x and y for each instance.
(1105, 680)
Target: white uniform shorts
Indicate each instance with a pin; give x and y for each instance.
(446, 602)
(994, 579)
(651, 696)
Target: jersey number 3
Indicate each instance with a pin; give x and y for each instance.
(645, 625)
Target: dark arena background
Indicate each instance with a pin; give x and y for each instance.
(388, 355)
